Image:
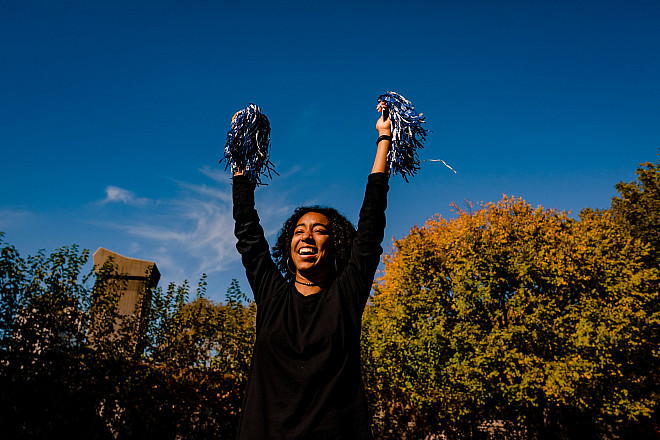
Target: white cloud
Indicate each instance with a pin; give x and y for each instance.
(186, 235)
(205, 190)
(217, 174)
(11, 217)
(191, 232)
(121, 195)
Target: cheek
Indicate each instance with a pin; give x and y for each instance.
(328, 246)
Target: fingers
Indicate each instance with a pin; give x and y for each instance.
(384, 109)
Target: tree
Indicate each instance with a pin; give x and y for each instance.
(201, 333)
(237, 334)
(516, 317)
(12, 268)
(42, 387)
(638, 207)
(69, 366)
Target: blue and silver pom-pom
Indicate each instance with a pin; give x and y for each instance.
(248, 143)
(408, 135)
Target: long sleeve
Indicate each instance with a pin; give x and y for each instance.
(261, 272)
(367, 245)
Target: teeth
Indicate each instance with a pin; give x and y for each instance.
(306, 251)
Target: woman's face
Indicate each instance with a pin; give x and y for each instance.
(311, 245)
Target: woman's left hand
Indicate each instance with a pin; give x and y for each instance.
(384, 127)
(384, 124)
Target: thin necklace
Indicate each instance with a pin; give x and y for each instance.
(306, 284)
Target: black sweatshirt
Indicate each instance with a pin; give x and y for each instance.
(305, 380)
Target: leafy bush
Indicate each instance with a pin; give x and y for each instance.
(71, 366)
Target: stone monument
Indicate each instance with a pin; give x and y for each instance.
(139, 276)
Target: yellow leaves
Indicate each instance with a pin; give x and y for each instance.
(518, 306)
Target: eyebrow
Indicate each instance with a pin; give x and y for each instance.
(314, 225)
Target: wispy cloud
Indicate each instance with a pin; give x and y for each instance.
(207, 191)
(11, 217)
(216, 174)
(115, 194)
(188, 233)
(191, 232)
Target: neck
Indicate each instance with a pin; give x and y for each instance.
(308, 286)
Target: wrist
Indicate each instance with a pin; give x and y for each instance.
(383, 137)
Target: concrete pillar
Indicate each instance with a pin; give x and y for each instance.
(139, 274)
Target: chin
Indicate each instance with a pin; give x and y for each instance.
(303, 266)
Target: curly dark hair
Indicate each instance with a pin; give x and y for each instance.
(341, 232)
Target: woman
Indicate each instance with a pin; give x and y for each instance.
(305, 380)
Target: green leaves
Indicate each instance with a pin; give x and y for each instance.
(638, 207)
(72, 365)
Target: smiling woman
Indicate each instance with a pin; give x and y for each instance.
(329, 228)
(305, 379)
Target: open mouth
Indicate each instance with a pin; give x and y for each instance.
(307, 251)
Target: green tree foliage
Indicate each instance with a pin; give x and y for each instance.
(236, 335)
(43, 332)
(521, 319)
(71, 366)
(638, 207)
(12, 268)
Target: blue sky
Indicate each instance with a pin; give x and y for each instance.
(113, 115)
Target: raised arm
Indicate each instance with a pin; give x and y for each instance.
(358, 276)
(384, 127)
(262, 273)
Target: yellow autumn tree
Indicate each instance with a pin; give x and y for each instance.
(513, 318)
